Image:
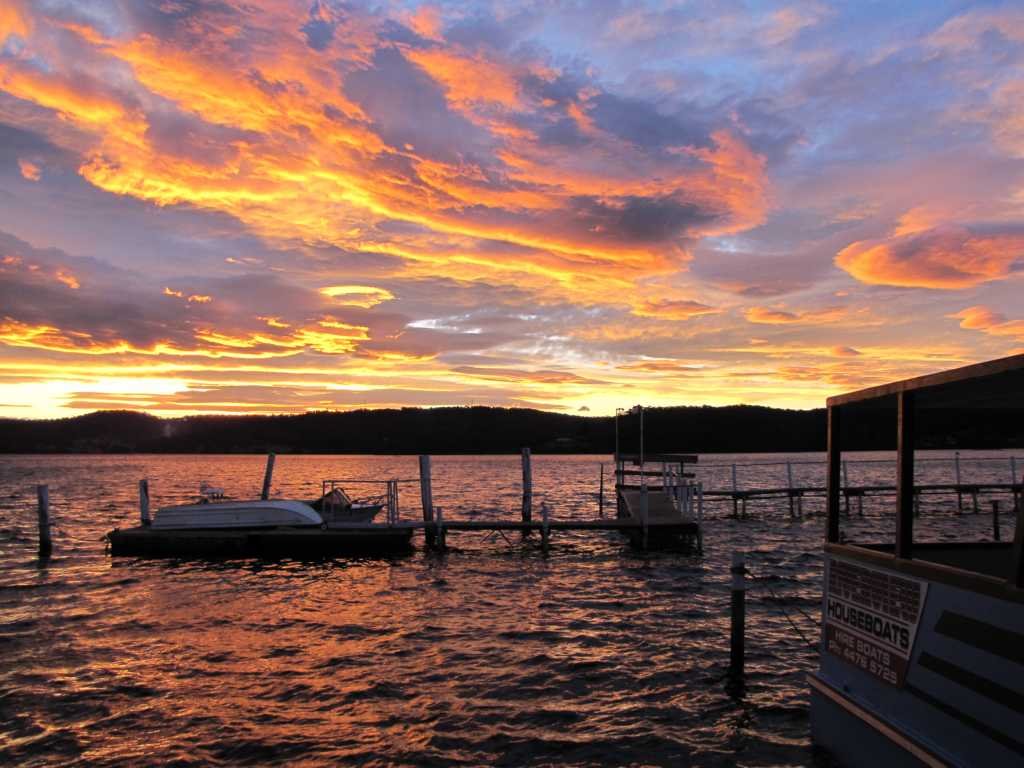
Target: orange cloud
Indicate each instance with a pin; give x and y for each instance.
(293, 148)
(673, 309)
(29, 170)
(365, 296)
(769, 316)
(946, 257)
(980, 318)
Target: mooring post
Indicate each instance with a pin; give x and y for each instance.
(427, 500)
(545, 532)
(995, 520)
(45, 542)
(144, 501)
(789, 486)
(600, 494)
(737, 651)
(439, 540)
(527, 487)
(959, 493)
(735, 487)
(268, 475)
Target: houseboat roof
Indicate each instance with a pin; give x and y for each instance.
(999, 381)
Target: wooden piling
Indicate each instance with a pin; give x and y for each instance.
(995, 521)
(268, 475)
(959, 493)
(45, 542)
(545, 532)
(144, 502)
(737, 650)
(439, 537)
(427, 500)
(600, 494)
(789, 487)
(527, 487)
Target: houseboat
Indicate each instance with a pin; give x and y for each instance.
(922, 643)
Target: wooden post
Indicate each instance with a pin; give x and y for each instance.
(600, 494)
(527, 487)
(959, 493)
(144, 502)
(905, 475)
(427, 500)
(995, 521)
(45, 542)
(737, 651)
(439, 540)
(789, 486)
(917, 504)
(544, 530)
(832, 475)
(974, 500)
(268, 475)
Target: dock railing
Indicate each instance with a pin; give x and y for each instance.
(964, 476)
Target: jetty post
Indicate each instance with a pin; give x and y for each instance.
(545, 532)
(995, 520)
(737, 649)
(45, 542)
(600, 494)
(427, 499)
(439, 542)
(268, 475)
(959, 493)
(144, 502)
(527, 487)
(789, 485)
(735, 508)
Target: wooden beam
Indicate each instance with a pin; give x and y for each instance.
(976, 371)
(905, 474)
(834, 479)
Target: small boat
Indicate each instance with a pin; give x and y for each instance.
(336, 507)
(214, 526)
(272, 513)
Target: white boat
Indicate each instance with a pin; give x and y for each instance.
(271, 513)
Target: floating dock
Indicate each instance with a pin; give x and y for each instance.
(295, 542)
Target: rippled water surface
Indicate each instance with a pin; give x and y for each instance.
(492, 654)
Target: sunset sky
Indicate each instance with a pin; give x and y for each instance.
(273, 206)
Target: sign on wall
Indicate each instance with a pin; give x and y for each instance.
(871, 617)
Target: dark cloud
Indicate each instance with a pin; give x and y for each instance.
(408, 108)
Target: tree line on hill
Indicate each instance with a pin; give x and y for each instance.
(476, 430)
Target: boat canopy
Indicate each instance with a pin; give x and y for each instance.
(996, 386)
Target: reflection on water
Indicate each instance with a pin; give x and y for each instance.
(492, 654)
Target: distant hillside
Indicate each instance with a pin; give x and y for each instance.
(701, 429)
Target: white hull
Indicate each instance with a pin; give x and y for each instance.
(238, 514)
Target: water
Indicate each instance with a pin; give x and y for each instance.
(493, 654)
